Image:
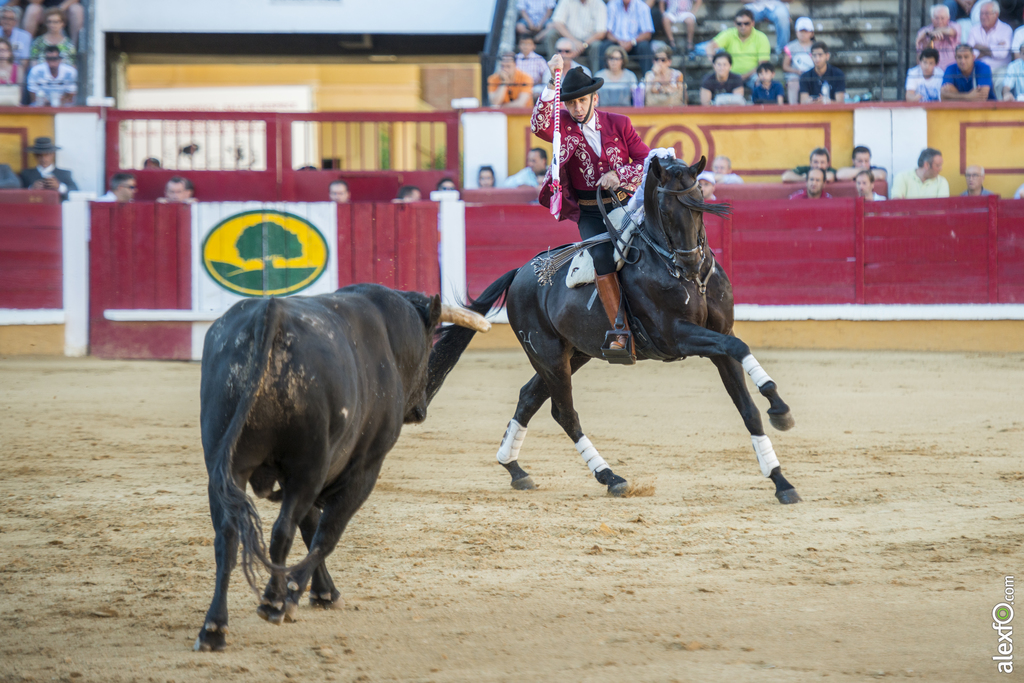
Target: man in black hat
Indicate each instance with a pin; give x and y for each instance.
(46, 175)
(597, 149)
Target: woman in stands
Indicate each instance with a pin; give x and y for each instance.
(619, 81)
(9, 74)
(54, 36)
(663, 85)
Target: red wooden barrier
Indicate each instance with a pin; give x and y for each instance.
(140, 257)
(31, 255)
(1010, 266)
(394, 245)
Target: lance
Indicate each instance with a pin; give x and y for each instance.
(556, 144)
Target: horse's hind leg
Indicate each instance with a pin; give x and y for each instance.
(732, 377)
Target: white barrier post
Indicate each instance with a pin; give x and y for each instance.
(75, 256)
(451, 228)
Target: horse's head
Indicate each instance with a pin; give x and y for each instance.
(672, 188)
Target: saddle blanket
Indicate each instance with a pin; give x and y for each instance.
(581, 268)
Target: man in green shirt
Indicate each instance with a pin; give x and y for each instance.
(748, 46)
(923, 182)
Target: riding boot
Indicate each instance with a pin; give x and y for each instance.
(611, 295)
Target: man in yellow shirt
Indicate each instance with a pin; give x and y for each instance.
(923, 182)
(748, 46)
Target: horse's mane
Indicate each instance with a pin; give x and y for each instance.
(651, 188)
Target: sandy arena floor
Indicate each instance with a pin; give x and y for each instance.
(910, 467)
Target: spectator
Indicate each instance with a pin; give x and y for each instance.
(721, 81)
(959, 9)
(815, 186)
(531, 63)
(1013, 82)
(54, 37)
(967, 80)
(975, 182)
(408, 194)
(722, 168)
(796, 58)
(820, 158)
(706, 180)
(1019, 194)
(46, 175)
(8, 178)
(178, 190)
(1018, 40)
(52, 83)
(865, 181)
(924, 182)
(630, 26)
(533, 173)
(663, 85)
(534, 18)
(824, 83)
(777, 12)
(584, 23)
(747, 46)
(619, 82)
(508, 86)
(564, 47)
(861, 162)
(924, 82)
(446, 185)
(767, 91)
(991, 38)
(485, 177)
(122, 189)
(940, 35)
(74, 11)
(150, 163)
(668, 13)
(338, 192)
(10, 74)
(20, 39)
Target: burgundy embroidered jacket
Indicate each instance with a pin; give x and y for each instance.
(623, 152)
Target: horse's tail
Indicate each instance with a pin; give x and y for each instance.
(453, 340)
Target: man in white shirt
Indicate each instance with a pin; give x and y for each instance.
(924, 83)
(991, 38)
(722, 168)
(20, 39)
(533, 174)
(122, 189)
(584, 23)
(1013, 82)
(46, 175)
(52, 83)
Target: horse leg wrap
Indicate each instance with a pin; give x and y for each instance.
(590, 455)
(515, 434)
(755, 371)
(766, 457)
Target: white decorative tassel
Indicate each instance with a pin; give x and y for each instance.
(515, 434)
(590, 455)
(755, 371)
(635, 207)
(766, 457)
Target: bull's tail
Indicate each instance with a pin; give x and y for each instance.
(238, 509)
(453, 340)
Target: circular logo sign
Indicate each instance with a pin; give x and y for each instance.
(264, 253)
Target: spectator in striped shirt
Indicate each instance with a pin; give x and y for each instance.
(531, 63)
(630, 26)
(534, 18)
(584, 23)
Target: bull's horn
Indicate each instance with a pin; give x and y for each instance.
(464, 318)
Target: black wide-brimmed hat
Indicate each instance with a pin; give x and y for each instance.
(577, 83)
(42, 145)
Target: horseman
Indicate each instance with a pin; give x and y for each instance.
(598, 149)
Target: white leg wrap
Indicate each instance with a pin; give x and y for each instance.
(590, 455)
(755, 371)
(766, 457)
(515, 434)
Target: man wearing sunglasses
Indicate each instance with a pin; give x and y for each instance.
(747, 46)
(122, 189)
(52, 83)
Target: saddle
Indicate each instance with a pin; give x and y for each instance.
(581, 269)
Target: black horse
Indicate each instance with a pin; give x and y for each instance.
(680, 303)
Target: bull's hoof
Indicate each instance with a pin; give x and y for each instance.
(783, 422)
(788, 497)
(524, 483)
(617, 486)
(210, 641)
(327, 600)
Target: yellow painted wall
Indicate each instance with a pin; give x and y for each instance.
(761, 144)
(993, 138)
(31, 340)
(35, 125)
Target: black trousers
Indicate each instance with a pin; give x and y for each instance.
(592, 224)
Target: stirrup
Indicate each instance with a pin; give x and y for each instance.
(623, 356)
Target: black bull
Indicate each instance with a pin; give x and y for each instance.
(310, 393)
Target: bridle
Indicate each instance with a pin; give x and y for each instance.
(676, 256)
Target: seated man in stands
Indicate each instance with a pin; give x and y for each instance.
(820, 158)
(861, 162)
(668, 13)
(975, 182)
(46, 175)
(707, 183)
(992, 38)
(865, 181)
(722, 167)
(533, 174)
(508, 86)
(564, 47)
(815, 186)
(338, 192)
(122, 189)
(748, 46)
(150, 163)
(824, 83)
(407, 194)
(630, 26)
(584, 24)
(923, 182)
(531, 63)
(20, 39)
(534, 18)
(1013, 82)
(766, 90)
(52, 83)
(178, 190)
(924, 81)
(8, 178)
(967, 80)
(941, 35)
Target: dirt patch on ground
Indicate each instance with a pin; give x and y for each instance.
(909, 465)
